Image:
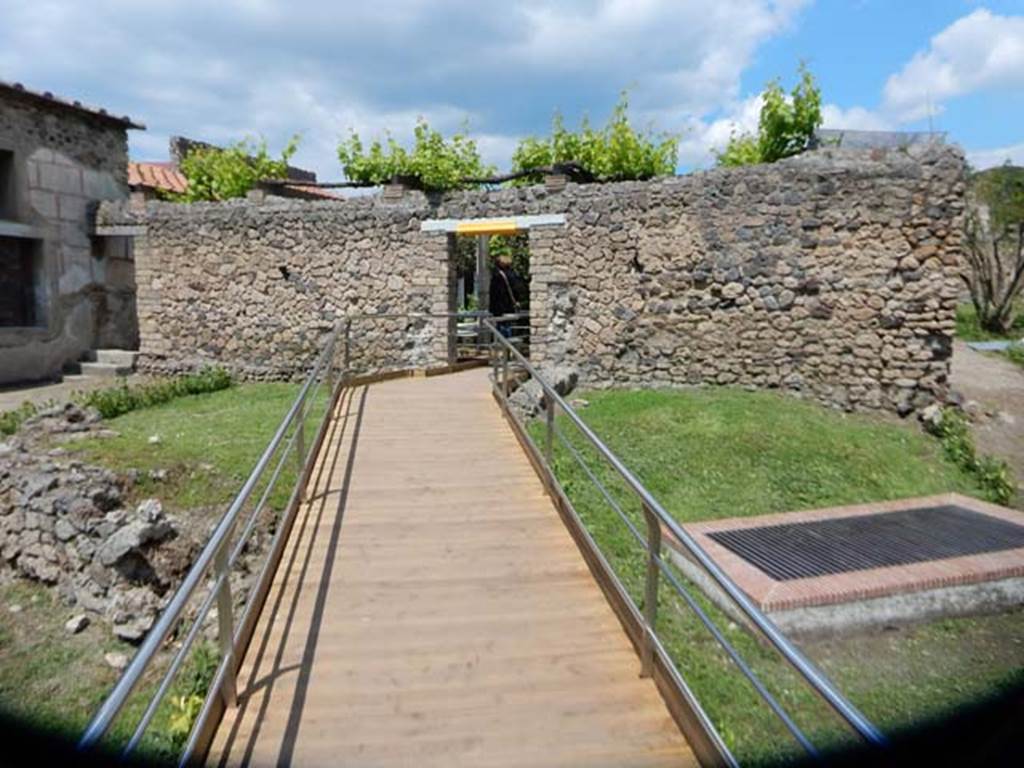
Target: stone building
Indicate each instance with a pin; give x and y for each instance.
(63, 290)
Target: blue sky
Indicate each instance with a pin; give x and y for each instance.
(222, 71)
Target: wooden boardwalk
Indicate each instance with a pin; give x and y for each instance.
(432, 609)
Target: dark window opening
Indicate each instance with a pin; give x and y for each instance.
(20, 283)
(7, 207)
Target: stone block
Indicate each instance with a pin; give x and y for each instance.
(43, 202)
(65, 180)
(72, 208)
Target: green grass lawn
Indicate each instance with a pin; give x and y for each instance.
(208, 444)
(55, 682)
(968, 329)
(717, 453)
(1015, 354)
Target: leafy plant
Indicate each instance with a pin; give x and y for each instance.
(994, 239)
(115, 401)
(433, 162)
(11, 420)
(993, 475)
(1015, 354)
(220, 174)
(785, 126)
(192, 687)
(617, 152)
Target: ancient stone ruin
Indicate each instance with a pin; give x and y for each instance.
(66, 524)
(833, 274)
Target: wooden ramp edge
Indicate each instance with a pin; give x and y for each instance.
(432, 609)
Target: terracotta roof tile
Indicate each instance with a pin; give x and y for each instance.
(162, 176)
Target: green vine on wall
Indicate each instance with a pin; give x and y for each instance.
(214, 173)
(433, 163)
(616, 152)
(785, 127)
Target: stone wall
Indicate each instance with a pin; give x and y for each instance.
(256, 286)
(61, 163)
(834, 274)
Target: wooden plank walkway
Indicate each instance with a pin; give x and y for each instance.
(432, 609)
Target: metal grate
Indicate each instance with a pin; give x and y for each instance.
(840, 545)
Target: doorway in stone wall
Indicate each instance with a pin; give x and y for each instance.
(489, 273)
(492, 276)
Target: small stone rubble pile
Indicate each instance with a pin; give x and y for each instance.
(65, 523)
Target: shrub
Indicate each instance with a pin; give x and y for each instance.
(191, 690)
(11, 420)
(115, 401)
(993, 475)
(617, 152)
(785, 126)
(1015, 354)
(433, 162)
(220, 174)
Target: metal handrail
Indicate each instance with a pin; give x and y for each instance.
(219, 556)
(214, 554)
(657, 517)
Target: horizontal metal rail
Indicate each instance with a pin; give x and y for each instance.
(659, 517)
(218, 555)
(215, 547)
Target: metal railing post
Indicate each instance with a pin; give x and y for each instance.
(300, 446)
(651, 591)
(329, 377)
(226, 626)
(348, 348)
(504, 372)
(549, 437)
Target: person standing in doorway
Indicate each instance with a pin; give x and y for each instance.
(504, 293)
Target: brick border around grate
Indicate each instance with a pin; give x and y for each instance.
(772, 595)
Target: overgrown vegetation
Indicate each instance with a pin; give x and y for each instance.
(616, 152)
(433, 163)
(992, 475)
(214, 173)
(969, 328)
(119, 400)
(785, 127)
(54, 681)
(720, 453)
(1015, 354)
(11, 420)
(191, 688)
(994, 244)
(123, 397)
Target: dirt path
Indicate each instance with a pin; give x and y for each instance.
(997, 385)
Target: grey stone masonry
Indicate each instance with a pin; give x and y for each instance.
(834, 274)
(61, 162)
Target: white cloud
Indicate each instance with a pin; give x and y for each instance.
(221, 71)
(855, 118)
(701, 139)
(981, 159)
(980, 51)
